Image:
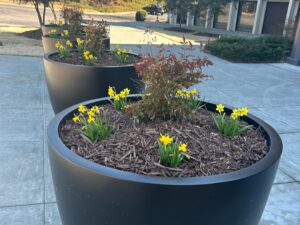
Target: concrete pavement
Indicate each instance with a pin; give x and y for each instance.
(272, 91)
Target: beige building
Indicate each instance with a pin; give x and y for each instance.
(276, 17)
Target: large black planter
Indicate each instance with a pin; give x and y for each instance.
(49, 43)
(88, 193)
(70, 84)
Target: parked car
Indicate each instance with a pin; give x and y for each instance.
(154, 9)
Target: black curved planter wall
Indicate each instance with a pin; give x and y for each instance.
(49, 43)
(88, 193)
(70, 84)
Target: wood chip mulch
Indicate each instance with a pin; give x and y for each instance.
(134, 147)
(106, 59)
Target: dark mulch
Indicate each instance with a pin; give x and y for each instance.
(133, 147)
(106, 59)
(178, 29)
(33, 34)
(206, 34)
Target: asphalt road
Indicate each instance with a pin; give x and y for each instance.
(18, 15)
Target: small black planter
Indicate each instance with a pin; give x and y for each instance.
(88, 193)
(47, 28)
(49, 43)
(70, 84)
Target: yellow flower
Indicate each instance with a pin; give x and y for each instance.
(127, 91)
(119, 51)
(194, 92)
(69, 43)
(220, 108)
(61, 47)
(91, 113)
(122, 94)
(117, 97)
(76, 119)
(81, 108)
(58, 44)
(111, 92)
(65, 33)
(180, 92)
(91, 56)
(52, 31)
(59, 23)
(95, 109)
(165, 139)
(91, 119)
(79, 41)
(187, 94)
(244, 111)
(234, 115)
(183, 148)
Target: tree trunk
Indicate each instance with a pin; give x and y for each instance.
(44, 14)
(51, 6)
(36, 6)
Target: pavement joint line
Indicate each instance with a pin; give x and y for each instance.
(283, 183)
(21, 205)
(285, 173)
(283, 69)
(289, 132)
(43, 144)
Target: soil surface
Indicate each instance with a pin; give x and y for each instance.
(106, 59)
(134, 147)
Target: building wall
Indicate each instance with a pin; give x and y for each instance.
(249, 16)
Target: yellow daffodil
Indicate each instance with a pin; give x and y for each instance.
(76, 119)
(81, 108)
(244, 111)
(182, 147)
(91, 119)
(58, 44)
(165, 139)
(111, 92)
(52, 31)
(234, 115)
(95, 109)
(117, 97)
(69, 43)
(220, 108)
(194, 92)
(122, 94)
(91, 113)
(127, 91)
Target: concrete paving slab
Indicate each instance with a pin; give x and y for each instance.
(21, 173)
(21, 124)
(290, 159)
(22, 215)
(283, 207)
(282, 177)
(52, 215)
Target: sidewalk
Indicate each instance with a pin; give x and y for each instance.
(272, 92)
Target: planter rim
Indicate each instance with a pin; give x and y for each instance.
(54, 141)
(46, 58)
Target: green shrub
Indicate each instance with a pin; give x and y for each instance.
(140, 15)
(261, 49)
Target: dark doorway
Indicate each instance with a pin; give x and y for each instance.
(246, 16)
(275, 18)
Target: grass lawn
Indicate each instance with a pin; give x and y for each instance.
(130, 5)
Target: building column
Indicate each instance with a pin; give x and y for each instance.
(259, 16)
(172, 18)
(233, 14)
(209, 23)
(295, 56)
(290, 16)
(190, 18)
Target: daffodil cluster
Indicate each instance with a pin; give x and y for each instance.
(122, 54)
(170, 153)
(190, 97)
(93, 122)
(80, 44)
(52, 33)
(230, 126)
(65, 34)
(119, 99)
(89, 58)
(64, 51)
